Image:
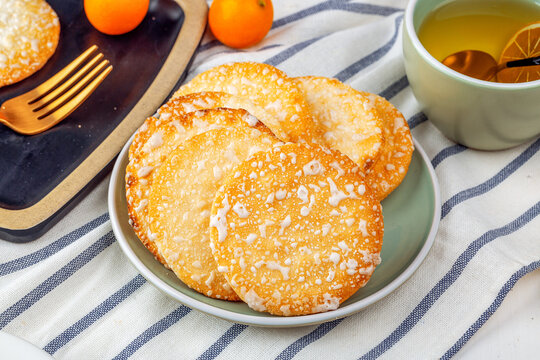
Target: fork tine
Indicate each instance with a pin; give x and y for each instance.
(62, 112)
(40, 102)
(54, 105)
(48, 85)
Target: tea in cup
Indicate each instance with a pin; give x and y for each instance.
(479, 114)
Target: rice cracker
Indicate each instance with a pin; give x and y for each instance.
(141, 167)
(181, 198)
(391, 167)
(29, 33)
(198, 101)
(267, 87)
(295, 230)
(349, 121)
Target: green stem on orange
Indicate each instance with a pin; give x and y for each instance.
(262, 3)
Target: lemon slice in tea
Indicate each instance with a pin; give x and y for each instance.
(524, 44)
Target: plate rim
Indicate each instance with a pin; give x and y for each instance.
(262, 321)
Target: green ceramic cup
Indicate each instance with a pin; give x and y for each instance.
(479, 114)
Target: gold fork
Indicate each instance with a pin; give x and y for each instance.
(51, 102)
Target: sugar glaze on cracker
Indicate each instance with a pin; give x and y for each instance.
(265, 86)
(295, 230)
(173, 109)
(181, 199)
(349, 121)
(176, 128)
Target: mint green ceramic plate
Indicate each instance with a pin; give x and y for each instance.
(411, 217)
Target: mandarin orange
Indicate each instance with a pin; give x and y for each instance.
(240, 23)
(115, 17)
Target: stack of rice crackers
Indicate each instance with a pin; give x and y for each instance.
(255, 186)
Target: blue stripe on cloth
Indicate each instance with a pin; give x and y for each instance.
(349, 71)
(51, 249)
(357, 66)
(447, 152)
(368, 9)
(416, 120)
(492, 182)
(291, 51)
(271, 46)
(55, 279)
(492, 308)
(395, 88)
(293, 349)
(224, 340)
(94, 315)
(448, 279)
(152, 332)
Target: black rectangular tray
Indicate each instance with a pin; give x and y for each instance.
(42, 175)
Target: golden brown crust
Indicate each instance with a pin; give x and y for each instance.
(391, 167)
(295, 230)
(29, 33)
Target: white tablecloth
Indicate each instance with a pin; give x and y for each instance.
(73, 292)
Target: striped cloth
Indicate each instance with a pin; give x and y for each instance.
(74, 294)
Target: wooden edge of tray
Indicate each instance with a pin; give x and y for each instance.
(195, 13)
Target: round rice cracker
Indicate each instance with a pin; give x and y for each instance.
(177, 107)
(391, 167)
(29, 34)
(181, 198)
(265, 86)
(349, 120)
(140, 170)
(295, 230)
